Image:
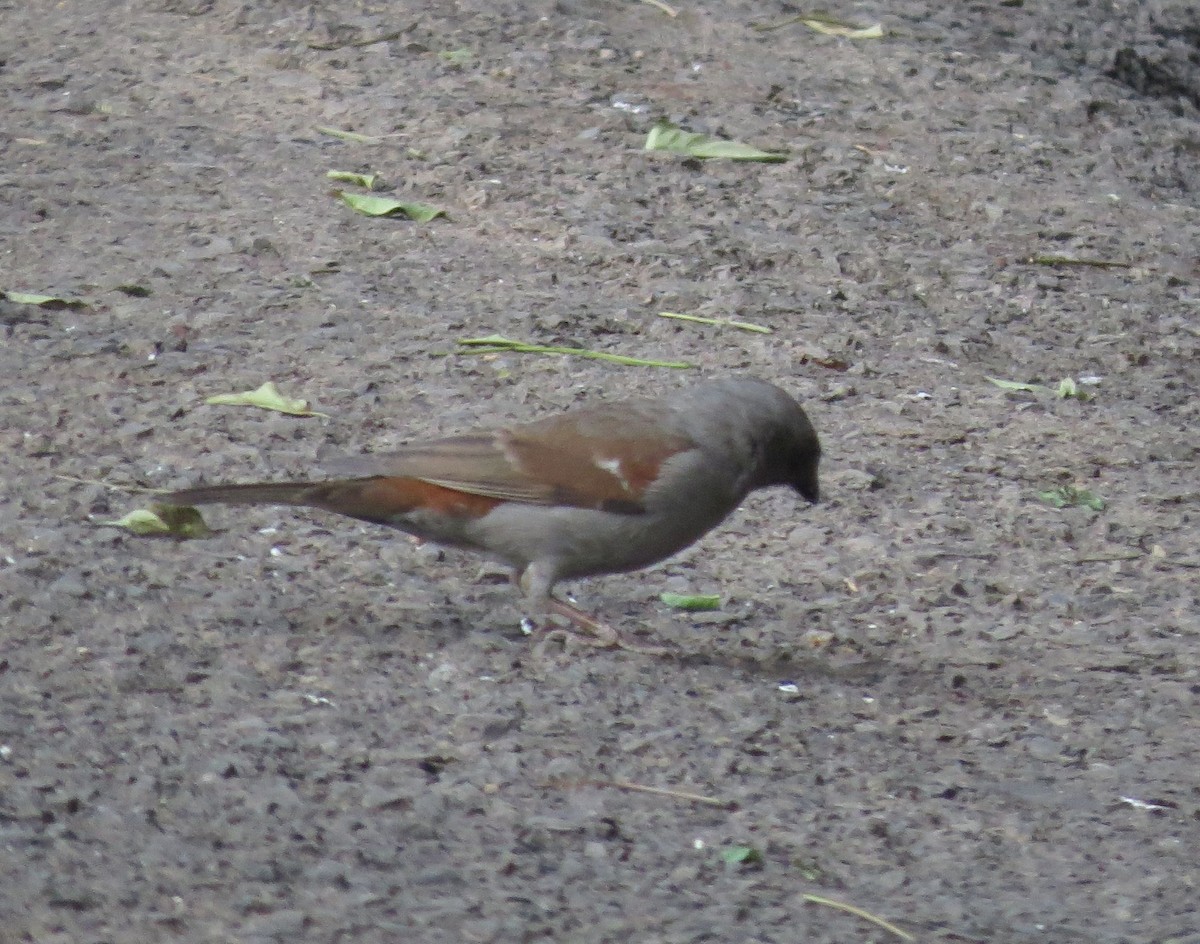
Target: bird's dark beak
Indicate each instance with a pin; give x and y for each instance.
(808, 486)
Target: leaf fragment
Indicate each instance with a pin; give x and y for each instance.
(665, 136)
(691, 602)
(1068, 496)
(366, 181)
(457, 57)
(1015, 385)
(741, 855)
(175, 520)
(43, 301)
(1068, 389)
(266, 397)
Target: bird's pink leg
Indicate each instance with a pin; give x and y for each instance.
(598, 633)
(595, 632)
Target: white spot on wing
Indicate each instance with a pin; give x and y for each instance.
(613, 468)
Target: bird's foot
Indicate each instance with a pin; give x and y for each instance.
(588, 631)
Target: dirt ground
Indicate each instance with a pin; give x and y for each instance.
(303, 729)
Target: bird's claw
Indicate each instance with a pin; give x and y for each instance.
(589, 631)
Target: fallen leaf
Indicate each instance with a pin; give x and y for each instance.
(43, 301)
(174, 520)
(370, 205)
(741, 855)
(665, 136)
(1069, 389)
(1015, 385)
(266, 397)
(1066, 496)
(366, 181)
(691, 602)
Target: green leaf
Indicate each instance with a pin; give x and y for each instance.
(741, 855)
(1055, 497)
(810, 870)
(457, 57)
(692, 602)
(665, 136)
(366, 181)
(43, 301)
(1069, 389)
(385, 206)
(1015, 385)
(266, 397)
(496, 344)
(1066, 496)
(175, 520)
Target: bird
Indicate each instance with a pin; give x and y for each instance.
(602, 488)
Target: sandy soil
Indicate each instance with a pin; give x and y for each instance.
(306, 730)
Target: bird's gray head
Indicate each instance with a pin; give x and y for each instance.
(791, 451)
(784, 444)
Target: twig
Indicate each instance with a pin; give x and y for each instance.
(1068, 261)
(659, 5)
(718, 322)
(1109, 558)
(357, 43)
(817, 20)
(643, 788)
(131, 489)
(495, 344)
(860, 913)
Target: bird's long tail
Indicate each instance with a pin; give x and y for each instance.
(366, 498)
(382, 499)
(258, 493)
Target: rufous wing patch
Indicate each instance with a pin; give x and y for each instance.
(385, 498)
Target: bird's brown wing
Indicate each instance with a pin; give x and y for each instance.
(601, 458)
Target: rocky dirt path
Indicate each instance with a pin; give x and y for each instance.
(301, 729)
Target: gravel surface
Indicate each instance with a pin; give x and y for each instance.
(304, 729)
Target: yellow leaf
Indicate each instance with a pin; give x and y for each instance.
(182, 522)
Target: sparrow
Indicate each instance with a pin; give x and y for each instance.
(599, 489)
